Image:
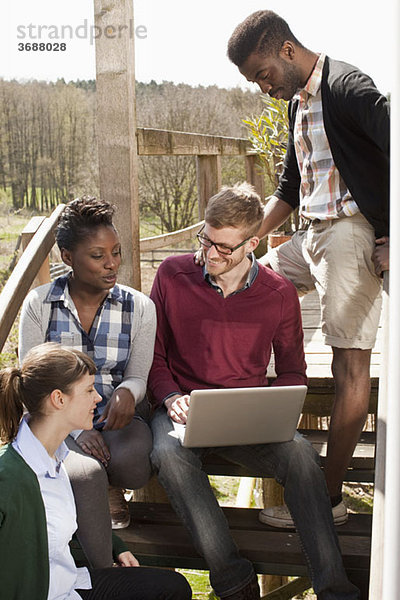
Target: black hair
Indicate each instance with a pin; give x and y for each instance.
(263, 32)
(80, 217)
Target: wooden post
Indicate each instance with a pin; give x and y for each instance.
(208, 179)
(272, 494)
(255, 176)
(378, 516)
(27, 234)
(116, 126)
(391, 549)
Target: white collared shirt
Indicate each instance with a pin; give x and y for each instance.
(60, 509)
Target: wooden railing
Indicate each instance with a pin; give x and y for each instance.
(39, 233)
(25, 271)
(208, 150)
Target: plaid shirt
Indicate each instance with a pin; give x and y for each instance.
(323, 193)
(108, 342)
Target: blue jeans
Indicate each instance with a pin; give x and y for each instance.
(293, 464)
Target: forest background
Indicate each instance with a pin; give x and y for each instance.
(48, 146)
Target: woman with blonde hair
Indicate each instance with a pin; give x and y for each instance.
(37, 509)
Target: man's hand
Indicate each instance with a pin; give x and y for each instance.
(92, 442)
(119, 410)
(126, 559)
(199, 257)
(380, 255)
(178, 407)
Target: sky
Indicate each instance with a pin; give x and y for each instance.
(185, 41)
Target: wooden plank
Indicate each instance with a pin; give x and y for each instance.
(378, 523)
(159, 142)
(208, 180)
(320, 404)
(116, 128)
(313, 343)
(238, 518)
(356, 474)
(271, 551)
(319, 368)
(24, 273)
(43, 275)
(166, 239)
(289, 590)
(255, 175)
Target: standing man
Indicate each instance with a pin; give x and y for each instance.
(216, 327)
(336, 170)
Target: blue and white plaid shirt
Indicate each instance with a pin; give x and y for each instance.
(109, 341)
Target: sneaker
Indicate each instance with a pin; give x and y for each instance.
(279, 516)
(119, 509)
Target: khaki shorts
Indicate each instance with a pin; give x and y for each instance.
(334, 257)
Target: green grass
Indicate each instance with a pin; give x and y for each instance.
(200, 584)
(225, 489)
(359, 497)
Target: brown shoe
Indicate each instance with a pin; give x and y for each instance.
(119, 510)
(250, 592)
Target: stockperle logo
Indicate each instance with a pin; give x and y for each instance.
(84, 31)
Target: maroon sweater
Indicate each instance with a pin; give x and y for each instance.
(207, 341)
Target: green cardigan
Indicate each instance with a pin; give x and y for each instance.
(24, 555)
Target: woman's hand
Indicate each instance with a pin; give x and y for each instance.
(119, 410)
(92, 442)
(126, 559)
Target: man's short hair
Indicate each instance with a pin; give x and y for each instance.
(263, 32)
(236, 206)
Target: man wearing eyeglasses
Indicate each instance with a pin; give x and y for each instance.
(216, 327)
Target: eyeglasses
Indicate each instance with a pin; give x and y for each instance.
(220, 248)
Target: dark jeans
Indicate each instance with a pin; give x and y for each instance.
(293, 464)
(136, 583)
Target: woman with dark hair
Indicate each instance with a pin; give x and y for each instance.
(115, 326)
(37, 509)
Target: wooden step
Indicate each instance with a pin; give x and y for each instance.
(361, 467)
(156, 537)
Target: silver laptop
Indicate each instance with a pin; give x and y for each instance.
(241, 416)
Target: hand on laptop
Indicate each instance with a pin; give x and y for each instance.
(178, 407)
